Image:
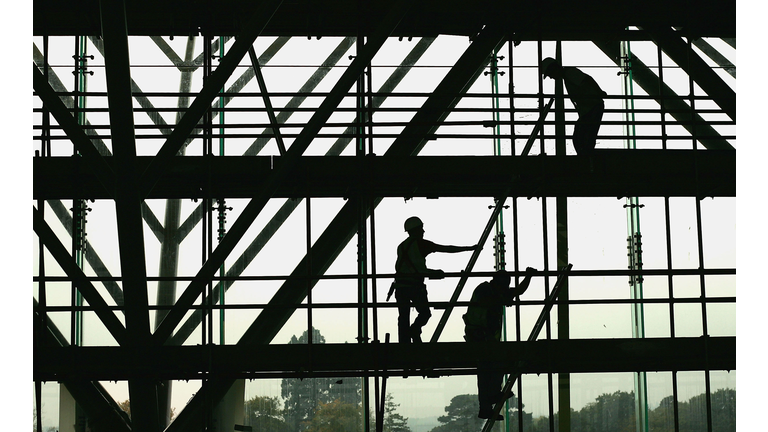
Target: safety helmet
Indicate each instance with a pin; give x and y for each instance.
(412, 223)
(546, 63)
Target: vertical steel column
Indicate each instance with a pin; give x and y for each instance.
(550, 379)
(515, 240)
(668, 227)
(207, 237)
(40, 326)
(310, 328)
(221, 205)
(79, 207)
(499, 251)
(498, 239)
(45, 142)
(169, 248)
(699, 232)
(79, 210)
(362, 329)
(634, 239)
(363, 206)
(561, 216)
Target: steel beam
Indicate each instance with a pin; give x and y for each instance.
(210, 91)
(672, 44)
(437, 359)
(563, 18)
(715, 55)
(103, 413)
(313, 81)
(448, 93)
(91, 255)
(128, 204)
(275, 126)
(189, 417)
(663, 94)
(67, 263)
(343, 226)
(280, 174)
(74, 131)
(612, 173)
(289, 206)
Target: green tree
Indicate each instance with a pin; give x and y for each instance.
(393, 421)
(724, 410)
(302, 396)
(263, 413)
(461, 415)
(693, 414)
(662, 419)
(513, 415)
(335, 416)
(616, 412)
(613, 412)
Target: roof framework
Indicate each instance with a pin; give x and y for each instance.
(110, 166)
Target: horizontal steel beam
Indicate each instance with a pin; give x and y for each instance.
(433, 359)
(562, 19)
(609, 173)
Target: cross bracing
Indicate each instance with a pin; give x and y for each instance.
(139, 146)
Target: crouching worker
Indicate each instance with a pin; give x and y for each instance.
(483, 322)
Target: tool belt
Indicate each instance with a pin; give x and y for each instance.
(395, 285)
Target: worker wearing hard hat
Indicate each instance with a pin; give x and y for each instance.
(409, 287)
(586, 96)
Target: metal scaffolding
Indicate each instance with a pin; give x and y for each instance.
(151, 155)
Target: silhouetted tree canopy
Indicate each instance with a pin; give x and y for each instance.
(263, 413)
(302, 397)
(610, 412)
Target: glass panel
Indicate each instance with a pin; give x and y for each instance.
(723, 400)
(692, 403)
(603, 401)
(688, 322)
(660, 401)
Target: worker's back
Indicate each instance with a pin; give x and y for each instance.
(482, 322)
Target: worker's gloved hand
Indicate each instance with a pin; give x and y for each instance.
(437, 274)
(529, 270)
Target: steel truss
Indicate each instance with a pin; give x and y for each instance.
(121, 175)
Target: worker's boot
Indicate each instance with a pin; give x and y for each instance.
(488, 413)
(416, 334)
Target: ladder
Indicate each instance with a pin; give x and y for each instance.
(487, 230)
(543, 317)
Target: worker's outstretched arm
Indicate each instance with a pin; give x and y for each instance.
(454, 249)
(523, 286)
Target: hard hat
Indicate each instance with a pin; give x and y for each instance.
(413, 222)
(546, 63)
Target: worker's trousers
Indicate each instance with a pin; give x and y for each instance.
(586, 128)
(489, 380)
(490, 375)
(407, 296)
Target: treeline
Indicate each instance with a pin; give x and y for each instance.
(613, 412)
(318, 405)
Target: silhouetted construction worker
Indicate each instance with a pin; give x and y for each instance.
(482, 323)
(586, 96)
(409, 287)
